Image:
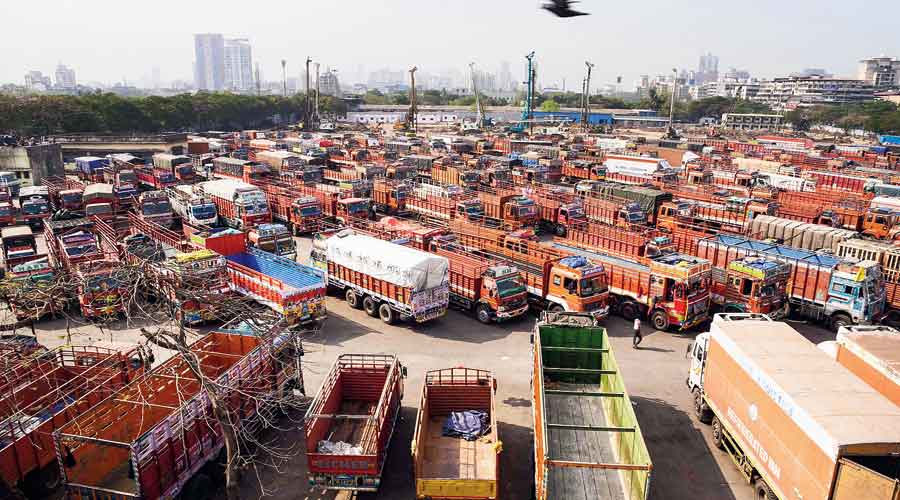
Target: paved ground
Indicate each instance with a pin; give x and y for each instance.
(686, 466)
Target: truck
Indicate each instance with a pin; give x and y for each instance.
(648, 199)
(454, 175)
(390, 196)
(34, 205)
(194, 208)
(273, 238)
(7, 213)
(795, 422)
(75, 246)
(100, 199)
(440, 209)
(735, 215)
(514, 209)
(629, 169)
(19, 245)
(814, 237)
(51, 389)
(150, 438)
(349, 424)
(559, 212)
(155, 207)
(62, 196)
(90, 168)
(180, 166)
(871, 353)
(240, 205)
(389, 281)
(155, 178)
(554, 282)
(25, 288)
(752, 285)
(495, 292)
(670, 289)
(832, 290)
(588, 444)
(888, 255)
(452, 467)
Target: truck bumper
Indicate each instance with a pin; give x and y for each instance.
(781, 313)
(503, 316)
(601, 313)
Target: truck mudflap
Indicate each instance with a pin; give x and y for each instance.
(456, 488)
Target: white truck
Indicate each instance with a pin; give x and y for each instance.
(194, 207)
(797, 424)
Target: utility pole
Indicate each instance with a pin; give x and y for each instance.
(529, 98)
(284, 77)
(671, 131)
(306, 118)
(586, 111)
(413, 107)
(479, 112)
(316, 114)
(258, 83)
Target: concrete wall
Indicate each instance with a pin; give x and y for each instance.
(32, 163)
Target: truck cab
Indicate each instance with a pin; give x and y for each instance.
(856, 294)
(275, 239)
(154, 206)
(631, 214)
(306, 214)
(670, 212)
(520, 209)
(569, 215)
(18, 245)
(71, 199)
(504, 292)
(679, 291)
(125, 185)
(7, 213)
(754, 285)
(881, 223)
(360, 208)
(494, 177)
(470, 209)
(100, 291)
(573, 284)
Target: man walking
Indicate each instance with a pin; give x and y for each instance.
(636, 341)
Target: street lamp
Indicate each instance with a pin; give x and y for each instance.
(671, 131)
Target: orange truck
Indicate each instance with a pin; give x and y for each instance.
(872, 353)
(450, 467)
(796, 422)
(390, 196)
(554, 282)
(511, 208)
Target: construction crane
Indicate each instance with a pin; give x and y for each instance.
(479, 107)
(528, 108)
(586, 99)
(413, 115)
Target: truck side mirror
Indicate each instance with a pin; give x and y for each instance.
(531, 339)
(687, 352)
(403, 371)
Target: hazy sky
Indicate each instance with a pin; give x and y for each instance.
(105, 40)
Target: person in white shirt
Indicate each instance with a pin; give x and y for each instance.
(636, 341)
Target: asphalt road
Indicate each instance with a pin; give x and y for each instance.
(685, 464)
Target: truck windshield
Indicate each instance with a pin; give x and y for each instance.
(97, 284)
(872, 288)
(401, 194)
(767, 290)
(527, 210)
(636, 217)
(98, 209)
(32, 208)
(77, 251)
(205, 211)
(185, 170)
(310, 211)
(5, 210)
(588, 287)
(127, 178)
(697, 287)
(71, 198)
(359, 207)
(166, 177)
(156, 208)
(576, 213)
(510, 286)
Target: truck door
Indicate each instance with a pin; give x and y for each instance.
(697, 351)
(679, 296)
(855, 481)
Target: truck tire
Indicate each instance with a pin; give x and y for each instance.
(560, 230)
(483, 314)
(387, 314)
(839, 320)
(718, 433)
(556, 308)
(370, 305)
(660, 320)
(352, 299)
(762, 490)
(703, 414)
(629, 310)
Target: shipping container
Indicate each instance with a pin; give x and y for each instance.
(350, 422)
(454, 467)
(588, 444)
(798, 424)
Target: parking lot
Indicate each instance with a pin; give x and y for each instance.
(685, 465)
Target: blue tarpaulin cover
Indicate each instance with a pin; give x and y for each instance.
(468, 425)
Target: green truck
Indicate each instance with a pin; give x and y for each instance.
(587, 441)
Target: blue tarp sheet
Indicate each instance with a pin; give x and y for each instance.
(468, 425)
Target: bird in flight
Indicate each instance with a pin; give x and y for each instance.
(563, 8)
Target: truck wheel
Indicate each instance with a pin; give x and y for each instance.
(718, 433)
(483, 313)
(560, 230)
(370, 305)
(556, 308)
(630, 311)
(387, 314)
(703, 415)
(660, 320)
(839, 320)
(763, 492)
(352, 299)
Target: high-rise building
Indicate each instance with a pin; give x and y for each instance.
(793, 92)
(238, 64)
(209, 61)
(35, 81)
(506, 78)
(329, 84)
(708, 70)
(881, 72)
(65, 77)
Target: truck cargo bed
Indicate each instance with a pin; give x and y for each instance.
(576, 445)
(450, 457)
(353, 432)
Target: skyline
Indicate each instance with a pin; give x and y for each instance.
(619, 42)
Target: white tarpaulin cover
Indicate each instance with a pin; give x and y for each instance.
(397, 264)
